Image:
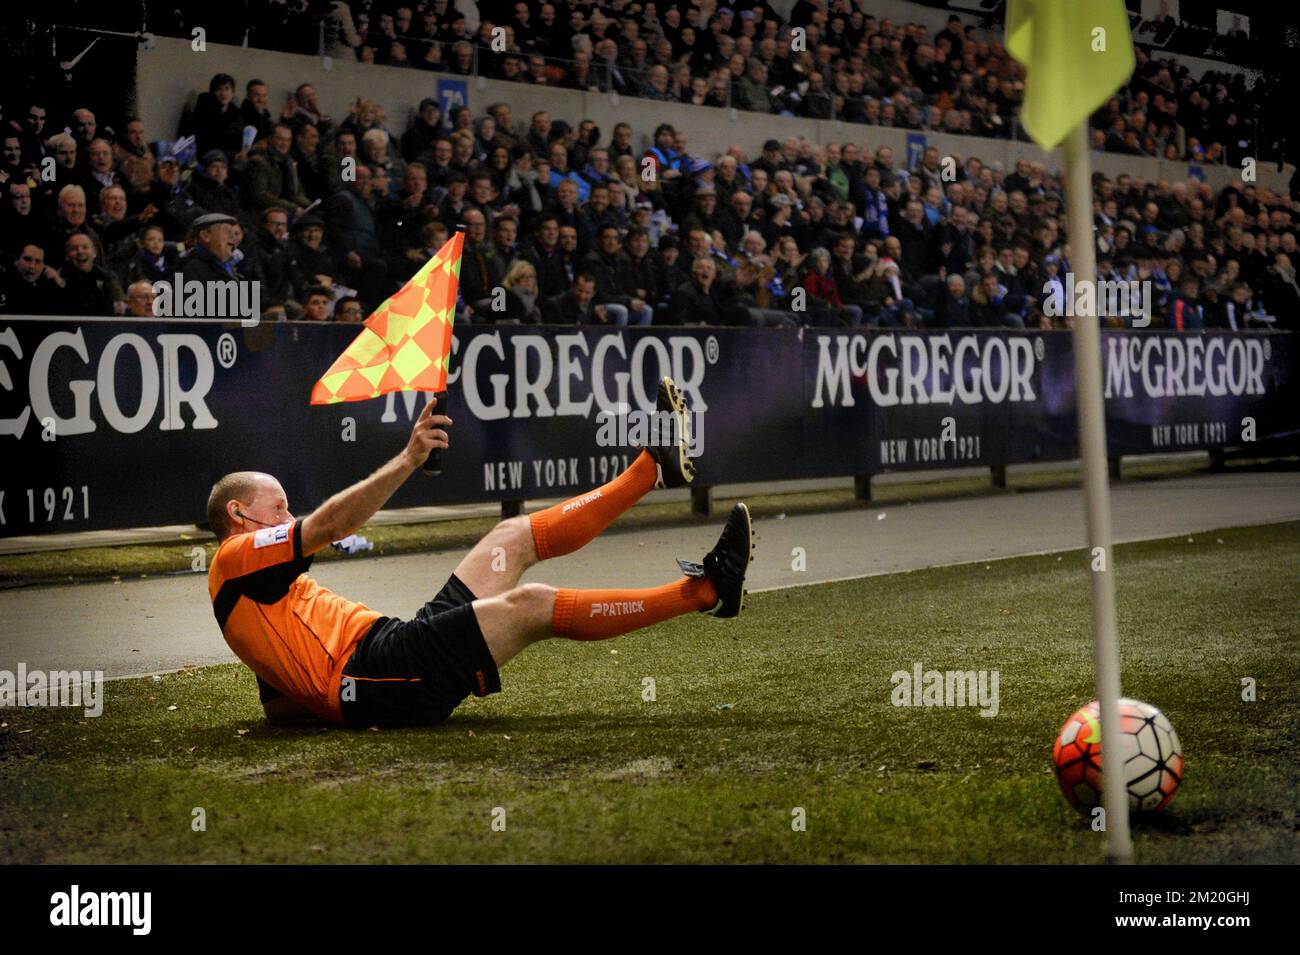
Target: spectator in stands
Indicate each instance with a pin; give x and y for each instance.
(216, 122)
(383, 164)
(67, 169)
(88, 288)
(751, 300)
(19, 222)
(31, 287)
(155, 259)
(349, 310)
(700, 301)
(953, 307)
(269, 256)
(314, 264)
(312, 171)
(12, 165)
(521, 297)
(34, 134)
(135, 163)
(99, 171)
(1282, 292)
(117, 230)
(170, 196)
(139, 299)
(316, 304)
(84, 131)
(824, 303)
(272, 177)
(255, 111)
(1186, 312)
(350, 217)
(210, 185)
(851, 271)
(426, 128)
(304, 107)
(71, 218)
(547, 259)
(987, 305)
(337, 159)
(606, 263)
(211, 247)
(480, 269)
(577, 306)
(505, 234)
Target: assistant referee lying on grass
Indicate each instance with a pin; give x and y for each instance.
(316, 653)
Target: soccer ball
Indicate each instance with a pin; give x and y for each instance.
(1153, 757)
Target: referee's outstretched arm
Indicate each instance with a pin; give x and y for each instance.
(347, 511)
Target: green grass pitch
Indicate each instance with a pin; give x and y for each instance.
(787, 707)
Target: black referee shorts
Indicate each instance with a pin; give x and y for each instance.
(416, 672)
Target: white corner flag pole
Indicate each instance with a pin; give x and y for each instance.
(1096, 490)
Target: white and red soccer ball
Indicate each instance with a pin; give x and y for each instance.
(1152, 757)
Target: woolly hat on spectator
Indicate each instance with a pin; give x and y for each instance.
(308, 222)
(213, 156)
(771, 146)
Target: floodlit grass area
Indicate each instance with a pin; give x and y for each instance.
(788, 706)
(142, 560)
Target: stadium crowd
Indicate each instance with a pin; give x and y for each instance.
(577, 225)
(846, 64)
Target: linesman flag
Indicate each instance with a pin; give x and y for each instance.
(406, 343)
(1076, 53)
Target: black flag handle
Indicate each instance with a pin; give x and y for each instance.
(433, 463)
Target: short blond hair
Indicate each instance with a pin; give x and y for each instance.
(233, 487)
(518, 269)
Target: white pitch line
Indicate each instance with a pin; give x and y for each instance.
(1017, 556)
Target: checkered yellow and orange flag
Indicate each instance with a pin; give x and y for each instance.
(406, 343)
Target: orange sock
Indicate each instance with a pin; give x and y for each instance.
(601, 614)
(563, 528)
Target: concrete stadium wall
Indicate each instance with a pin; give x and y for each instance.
(171, 73)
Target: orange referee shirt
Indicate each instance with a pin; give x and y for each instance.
(293, 633)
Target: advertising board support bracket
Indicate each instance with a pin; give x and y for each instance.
(1217, 460)
(701, 501)
(998, 475)
(862, 488)
(511, 509)
(1113, 466)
